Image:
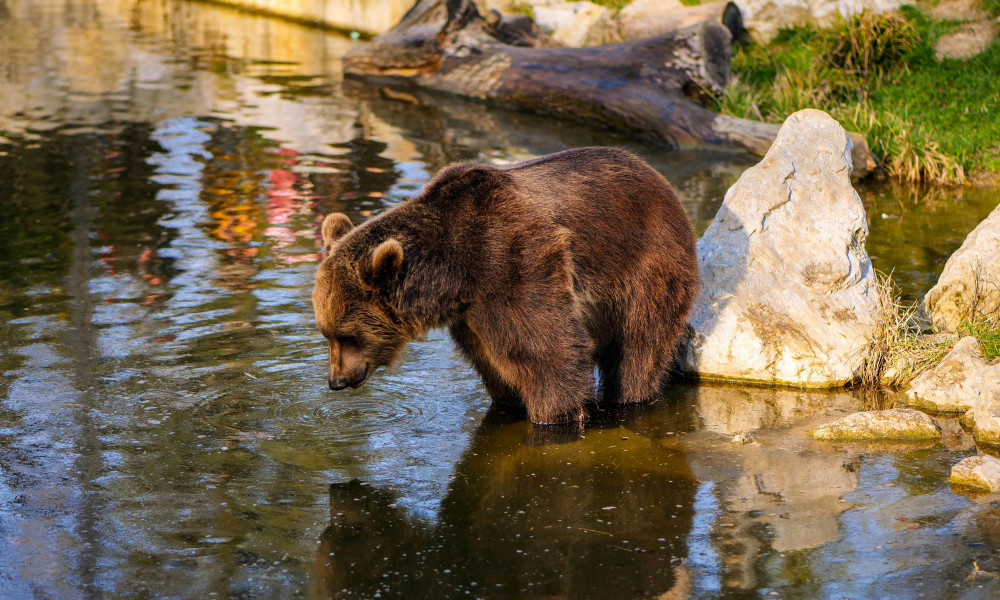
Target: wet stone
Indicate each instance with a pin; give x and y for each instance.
(953, 385)
(977, 471)
(899, 424)
(985, 417)
(969, 279)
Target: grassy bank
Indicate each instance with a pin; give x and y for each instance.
(924, 119)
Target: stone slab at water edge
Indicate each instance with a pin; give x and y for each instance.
(978, 472)
(788, 291)
(970, 279)
(897, 424)
(985, 417)
(955, 384)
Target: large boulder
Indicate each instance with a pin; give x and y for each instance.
(788, 292)
(763, 18)
(970, 281)
(953, 385)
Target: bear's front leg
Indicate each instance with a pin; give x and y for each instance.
(544, 354)
(475, 351)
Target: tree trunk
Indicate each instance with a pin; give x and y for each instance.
(653, 87)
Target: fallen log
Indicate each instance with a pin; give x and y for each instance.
(654, 88)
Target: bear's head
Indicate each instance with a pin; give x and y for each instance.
(351, 300)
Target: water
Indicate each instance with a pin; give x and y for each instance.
(165, 427)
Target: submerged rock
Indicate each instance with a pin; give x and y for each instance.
(895, 424)
(788, 291)
(953, 385)
(978, 472)
(985, 417)
(970, 279)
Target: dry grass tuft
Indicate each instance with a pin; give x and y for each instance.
(907, 151)
(898, 351)
(847, 71)
(871, 43)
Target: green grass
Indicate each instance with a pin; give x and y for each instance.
(987, 331)
(925, 120)
(615, 5)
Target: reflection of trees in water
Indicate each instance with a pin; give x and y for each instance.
(232, 185)
(603, 516)
(363, 177)
(36, 214)
(65, 197)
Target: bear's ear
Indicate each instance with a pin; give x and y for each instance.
(383, 265)
(335, 225)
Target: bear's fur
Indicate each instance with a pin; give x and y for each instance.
(540, 269)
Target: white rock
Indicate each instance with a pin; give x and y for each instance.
(903, 424)
(509, 7)
(977, 260)
(646, 18)
(985, 417)
(953, 385)
(787, 291)
(763, 18)
(570, 23)
(977, 471)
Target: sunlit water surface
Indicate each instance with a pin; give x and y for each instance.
(165, 427)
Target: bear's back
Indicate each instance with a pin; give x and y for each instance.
(622, 214)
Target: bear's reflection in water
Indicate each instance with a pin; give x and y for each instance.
(605, 514)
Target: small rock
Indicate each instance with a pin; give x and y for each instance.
(971, 277)
(953, 385)
(570, 23)
(646, 18)
(900, 424)
(744, 438)
(978, 472)
(971, 39)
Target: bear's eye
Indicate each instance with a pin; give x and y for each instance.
(347, 340)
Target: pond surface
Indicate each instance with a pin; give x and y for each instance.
(165, 426)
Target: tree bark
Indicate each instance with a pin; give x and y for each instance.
(653, 88)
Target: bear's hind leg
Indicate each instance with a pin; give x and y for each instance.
(634, 363)
(609, 364)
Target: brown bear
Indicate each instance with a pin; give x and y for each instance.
(540, 269)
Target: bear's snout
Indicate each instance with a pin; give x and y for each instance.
(354, 382)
